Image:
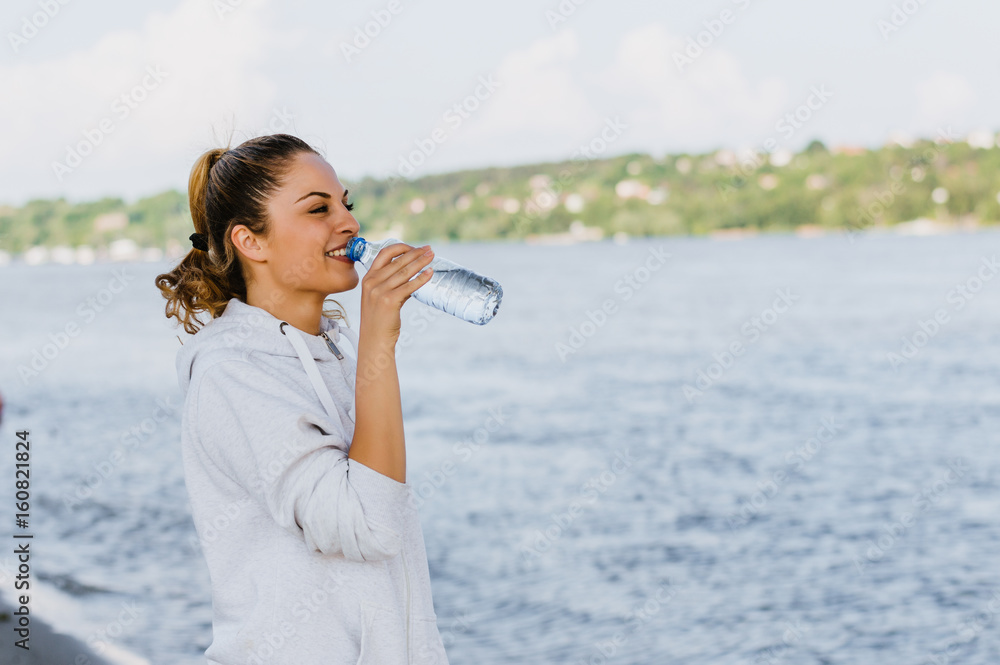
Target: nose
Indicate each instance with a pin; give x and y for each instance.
(347, 224)
(352, 229)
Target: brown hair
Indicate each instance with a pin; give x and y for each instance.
(227, 187)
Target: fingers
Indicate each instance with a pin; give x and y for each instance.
(410, 266)
(387, 254)
(406, 264)
(409, 287)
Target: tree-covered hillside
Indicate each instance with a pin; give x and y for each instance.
(637, 194)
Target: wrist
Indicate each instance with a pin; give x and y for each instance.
(377, 345)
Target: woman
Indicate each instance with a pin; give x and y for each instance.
(296, 472)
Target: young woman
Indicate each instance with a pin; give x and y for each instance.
(294, 458)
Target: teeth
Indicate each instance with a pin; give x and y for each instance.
(338, 252)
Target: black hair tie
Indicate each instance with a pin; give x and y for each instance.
(199, 241)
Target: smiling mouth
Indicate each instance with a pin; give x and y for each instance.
(339, 253)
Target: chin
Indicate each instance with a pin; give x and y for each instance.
(344, 284)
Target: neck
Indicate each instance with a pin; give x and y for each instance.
(300, 309)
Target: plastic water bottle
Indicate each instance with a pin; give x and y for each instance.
(452, 288)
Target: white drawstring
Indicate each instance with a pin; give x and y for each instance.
(350, 366)
(348, 333)
(312, 371)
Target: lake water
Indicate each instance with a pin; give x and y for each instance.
(725, 465)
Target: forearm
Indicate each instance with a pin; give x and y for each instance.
(378, 426)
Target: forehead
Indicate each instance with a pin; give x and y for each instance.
(309, 172)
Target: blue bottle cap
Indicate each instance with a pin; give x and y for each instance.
(355, 246)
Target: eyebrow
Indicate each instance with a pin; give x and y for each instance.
(323, 194)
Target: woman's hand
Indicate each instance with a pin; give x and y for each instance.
(386, 286)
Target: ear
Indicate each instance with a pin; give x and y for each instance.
(247, 244)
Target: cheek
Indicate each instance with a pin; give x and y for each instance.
(297, 266)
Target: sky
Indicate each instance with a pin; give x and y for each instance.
(115, 98)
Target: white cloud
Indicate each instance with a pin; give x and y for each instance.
(711, 102)
(550, 103)
(209, 81)
(539, 96)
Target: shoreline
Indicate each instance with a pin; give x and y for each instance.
(48, 646)
(920, 227)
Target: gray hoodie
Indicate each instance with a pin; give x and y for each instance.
(315, 558)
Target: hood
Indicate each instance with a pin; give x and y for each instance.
(244, 328)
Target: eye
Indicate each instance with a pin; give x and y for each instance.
(322, 208)
(349, 206)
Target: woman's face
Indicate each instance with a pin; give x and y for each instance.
(309, 217)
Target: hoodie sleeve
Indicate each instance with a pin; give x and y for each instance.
(265, 435)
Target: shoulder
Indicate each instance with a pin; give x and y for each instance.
(219, 361)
